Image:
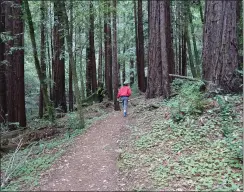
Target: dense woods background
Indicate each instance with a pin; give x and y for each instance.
(56, 54)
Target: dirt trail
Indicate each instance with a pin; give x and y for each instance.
(90, 164)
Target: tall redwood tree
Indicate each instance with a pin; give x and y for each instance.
(59, 66)
(220, 50)
(141, 55)
(3, 106)
(159, 50)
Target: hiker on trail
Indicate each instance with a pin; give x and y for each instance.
(124, 94)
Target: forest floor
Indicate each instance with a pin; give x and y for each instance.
(187, 143)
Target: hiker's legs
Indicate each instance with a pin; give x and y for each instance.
(125, 104)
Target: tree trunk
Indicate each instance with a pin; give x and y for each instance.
(43, 64)
(132, 72)
(123, 68)
(3, 89)
(37, 63)
(88, 71)
(59, 68)
(175, 33)
(52, 53)
(180, 38)
(110, 90)
(49, 52)
(239, 13)
(169, 40)
(141, 64)
(158, 69)
(100, 53)
(183, 50)
(11, 73)
(92, 50)
(106, 75)
(108, 50)
(71, 102)
(81, 66)
(81, 77)
(136, 40)
(115, 60)
(220, 45)
(190, 56)
(15, 59)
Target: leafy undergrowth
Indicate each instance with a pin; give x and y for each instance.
(189, 143)
(20, 170)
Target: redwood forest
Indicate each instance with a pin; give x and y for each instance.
(67, 123)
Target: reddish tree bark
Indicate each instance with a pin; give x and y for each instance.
(158, 69)
(183, 53)
(11, 72)
(100, 52)
(3, 106)
(18, 60)
(15, 64)
(43, 64)
(220, 50)
(59, 68)
(169, 40)
(141, 55)
(71, 93)
(115, 58)
(108, 50)
(132, 75)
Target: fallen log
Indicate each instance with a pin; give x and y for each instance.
(185, 77)
(11, 134)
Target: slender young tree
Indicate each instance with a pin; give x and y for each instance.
(71, 102)
(131, 72)
(3, 89)
(115, 59)
(100, 52)
(42, 55)
(183, 39)
(88, 69)
(190, 55)
(92, 58)
(137, 42)
(220, 48)
(123, 67)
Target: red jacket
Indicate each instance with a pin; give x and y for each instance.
(124, 91)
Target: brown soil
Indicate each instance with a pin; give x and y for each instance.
(91, 163)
